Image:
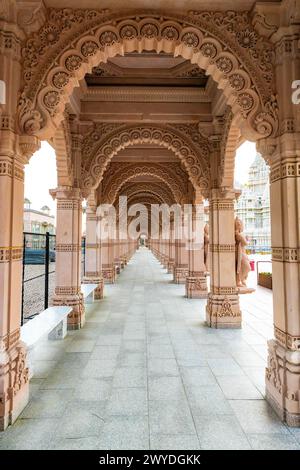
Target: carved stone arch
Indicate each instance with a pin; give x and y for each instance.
(146, 199)
(117, 177)
(104, 142)
(92, 200)
(230, 142)
(141, 189)
(62, 144)
(225, 44)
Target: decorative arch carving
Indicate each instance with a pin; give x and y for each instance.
(105, 141)
(228, 146)
(118, 175)
(225, 44)
(140, 189)
(62, 143)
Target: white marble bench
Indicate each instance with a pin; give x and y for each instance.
(51, 323)
(88, 292)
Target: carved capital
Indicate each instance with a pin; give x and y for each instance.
(28, 145)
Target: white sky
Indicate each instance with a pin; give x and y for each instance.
(245, 155)
(40, 176)
(40, 173)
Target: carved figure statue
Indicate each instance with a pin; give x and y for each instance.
(206, 246)
(241, 259)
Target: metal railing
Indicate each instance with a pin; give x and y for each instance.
(38, 272)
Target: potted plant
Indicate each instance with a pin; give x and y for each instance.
(265, 279)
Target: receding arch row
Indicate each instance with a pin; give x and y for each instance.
(97, 153)
(163, 193)
(127, 172)
(60, 54)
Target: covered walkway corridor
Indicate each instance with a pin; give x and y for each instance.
(146, 373)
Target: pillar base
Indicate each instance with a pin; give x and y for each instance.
(117, 265)
(99, 291)
(14, 384)
(283, 382)
(196, 287)
(109, 274)
(76, 319)
(223, 311)
(180, 274)
(171, 267)
(123, 261)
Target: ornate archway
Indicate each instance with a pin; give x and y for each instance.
(104, 142)
(164, 195)
(62, 143)
(224, 44)
(117, 176)
(231, 139)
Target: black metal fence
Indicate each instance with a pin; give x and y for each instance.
(38, 279)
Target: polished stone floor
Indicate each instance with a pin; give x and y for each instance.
(146, 373)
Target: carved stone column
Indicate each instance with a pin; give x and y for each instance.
(181, 266)
(15, 151)
(108, 256)
(117, 253)
(283, 371)
(196, 284)
(93, 271)
(171, 248)
(283, 154)
(68, 253)
(14, 373)
(223, 308)
(121, 253)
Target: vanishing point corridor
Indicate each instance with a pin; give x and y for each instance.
(146, 373)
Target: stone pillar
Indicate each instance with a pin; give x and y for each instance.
(164, 252)
(283, 154)
(93, 266)
(122, 253)
(223, 309)
(108, 256)
(196, 284)
(68, 253)
(181, 266)
(117, 253)
(171, 248)
(283, 371)
(14, 373)
(15, 151)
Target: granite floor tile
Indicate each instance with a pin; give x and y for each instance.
(166, 388)
(128, 401)
(48, 404)
(163, 367)
(257, 417)
(171, 442)
(29, 434)
(128, 377)
(221, 432)
(273, 442)
(171, 418)
(238, 387)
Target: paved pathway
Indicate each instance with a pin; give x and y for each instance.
(145, 372)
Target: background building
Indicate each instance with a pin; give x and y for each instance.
(38, 221)
(253, 206)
